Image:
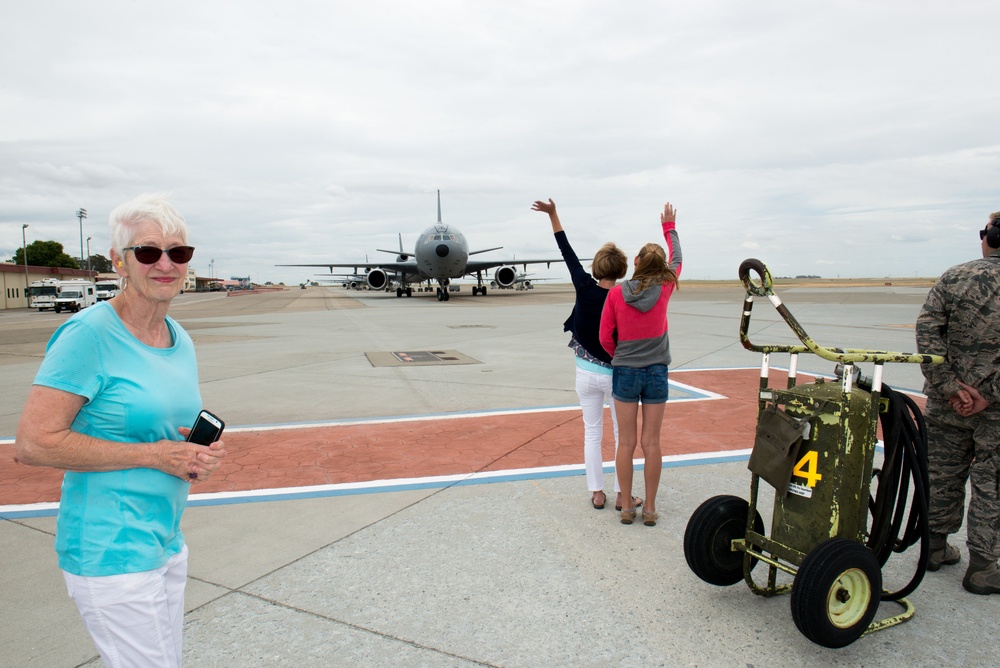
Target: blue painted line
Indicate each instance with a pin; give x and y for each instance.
(378, 487)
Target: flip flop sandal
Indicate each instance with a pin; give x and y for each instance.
(593, 500)
(636, 499)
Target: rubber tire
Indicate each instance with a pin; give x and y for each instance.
(709, 535)
(440, 295)
(482, 291)
(399, 292)
(836, 568)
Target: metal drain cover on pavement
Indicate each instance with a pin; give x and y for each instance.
(419, 358)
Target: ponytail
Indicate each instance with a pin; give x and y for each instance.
(652, 267)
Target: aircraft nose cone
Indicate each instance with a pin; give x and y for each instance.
(442, 250)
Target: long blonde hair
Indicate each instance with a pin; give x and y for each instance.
(652, 268)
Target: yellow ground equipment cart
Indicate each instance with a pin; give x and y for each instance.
(816, 444)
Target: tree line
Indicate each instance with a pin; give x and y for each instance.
(51, 254)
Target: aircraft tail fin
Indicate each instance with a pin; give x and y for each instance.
(439, 207)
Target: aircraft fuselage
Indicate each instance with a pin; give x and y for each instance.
(441, 253)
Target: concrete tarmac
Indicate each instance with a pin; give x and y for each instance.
(512, 569)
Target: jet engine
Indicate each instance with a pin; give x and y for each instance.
(377, 279)
(505, 276)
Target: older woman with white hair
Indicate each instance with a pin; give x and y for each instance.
(111, 406)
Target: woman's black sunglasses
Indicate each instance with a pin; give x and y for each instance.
(151, 254)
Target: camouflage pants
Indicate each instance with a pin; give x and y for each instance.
(960, 449)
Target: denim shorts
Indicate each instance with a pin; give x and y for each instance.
(648, 384)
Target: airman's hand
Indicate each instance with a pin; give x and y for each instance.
(972, 401)
(669, 215)
(960, 402)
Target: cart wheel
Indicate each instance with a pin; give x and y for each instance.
(709, 536)
(836, 592)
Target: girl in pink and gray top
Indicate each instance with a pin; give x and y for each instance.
(634, 332)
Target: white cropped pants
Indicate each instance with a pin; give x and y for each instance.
(135, 619)
(594, 390)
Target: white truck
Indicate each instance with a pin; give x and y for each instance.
(74, 295)
(107, 288)
(42, 293)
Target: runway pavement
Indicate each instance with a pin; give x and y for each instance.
(438, 515)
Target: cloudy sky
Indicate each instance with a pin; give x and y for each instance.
(837, 139)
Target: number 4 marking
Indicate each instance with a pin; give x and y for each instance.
(806, 468)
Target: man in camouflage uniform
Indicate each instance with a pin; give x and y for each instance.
(961, 322)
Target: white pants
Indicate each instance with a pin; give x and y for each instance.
(135, 619)
(594, 390)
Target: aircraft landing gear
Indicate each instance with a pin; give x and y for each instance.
(442, 294)
(409, 292)
(399, 292)
(478, 289)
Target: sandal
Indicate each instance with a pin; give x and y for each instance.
(635, 499)
(593, 500)
(628, 516)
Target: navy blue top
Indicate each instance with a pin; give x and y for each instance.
(584, 321)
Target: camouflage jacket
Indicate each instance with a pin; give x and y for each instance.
(960, 320)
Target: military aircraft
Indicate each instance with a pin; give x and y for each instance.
(522, 281)
(354, 281)
(441, 254)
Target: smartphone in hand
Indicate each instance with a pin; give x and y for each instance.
(207, 429)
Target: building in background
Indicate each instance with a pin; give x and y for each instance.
(13, 281)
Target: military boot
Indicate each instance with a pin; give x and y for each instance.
(982, 577)
(942, 554)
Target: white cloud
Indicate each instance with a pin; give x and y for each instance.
(807, 133)
(81, 174)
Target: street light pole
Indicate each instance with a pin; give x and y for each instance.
(81, 214)
(88, 253)
(24, 251)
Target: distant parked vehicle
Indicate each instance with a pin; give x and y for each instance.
(41, 294)
(75, 295)
(107, 289)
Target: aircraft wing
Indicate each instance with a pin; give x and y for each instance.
(472, 266)
(408, 267)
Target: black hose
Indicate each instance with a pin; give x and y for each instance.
(904, 437)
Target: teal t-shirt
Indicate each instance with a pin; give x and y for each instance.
(127, 521)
